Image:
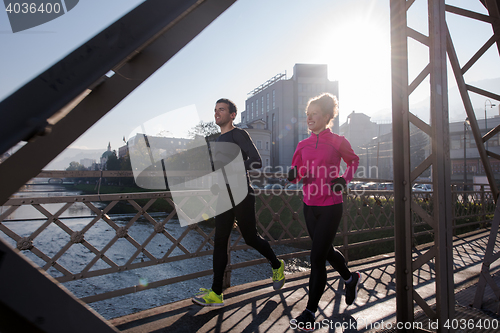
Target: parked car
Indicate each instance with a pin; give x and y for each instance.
(386, 186)
(355, 185)
(422, 188)
(369, 186)
(297, 186)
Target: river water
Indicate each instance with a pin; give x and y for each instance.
(26, 219)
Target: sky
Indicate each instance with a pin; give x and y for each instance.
(244, 47)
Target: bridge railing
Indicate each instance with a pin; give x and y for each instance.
(136, 239)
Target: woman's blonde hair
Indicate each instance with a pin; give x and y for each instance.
(328, 104)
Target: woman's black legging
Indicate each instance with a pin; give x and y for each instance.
(244, 213)
(322, 224)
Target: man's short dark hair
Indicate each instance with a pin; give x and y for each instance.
(232, 106)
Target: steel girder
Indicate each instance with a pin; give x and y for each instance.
(492, 18)
(490, 257)
(402, 184)
(439, 43)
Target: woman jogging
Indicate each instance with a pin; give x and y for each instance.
(317, 161)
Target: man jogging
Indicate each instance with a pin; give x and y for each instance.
(243, 212)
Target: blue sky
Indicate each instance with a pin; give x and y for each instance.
(248, 44)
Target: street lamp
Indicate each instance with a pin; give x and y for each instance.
(466, 123)
(365, 149)
(485, 118)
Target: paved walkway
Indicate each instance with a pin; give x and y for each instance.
(256, 307)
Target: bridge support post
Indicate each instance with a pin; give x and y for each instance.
(406, 209)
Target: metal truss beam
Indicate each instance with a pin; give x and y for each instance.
(441, 170)
(71, 96)
(493, 7)
(401, 153)
(32, 301)
(439, 161)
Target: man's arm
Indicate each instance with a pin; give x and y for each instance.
(253, 160)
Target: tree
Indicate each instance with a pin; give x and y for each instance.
(125, 165)
(113, 163)
(75, 166)
(206, 129)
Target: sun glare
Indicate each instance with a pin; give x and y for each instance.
(359, 58)
(364, 49)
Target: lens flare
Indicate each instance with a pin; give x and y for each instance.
(143, 282)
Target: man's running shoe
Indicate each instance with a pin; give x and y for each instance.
(279, 276)
(305, 322)
(351, 288)
(207, 297)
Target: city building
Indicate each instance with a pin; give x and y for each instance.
(280, 104)
(149, 152)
